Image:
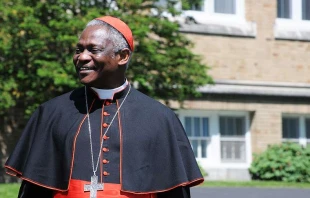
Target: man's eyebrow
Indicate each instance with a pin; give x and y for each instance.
(78, 45)
(89, 45)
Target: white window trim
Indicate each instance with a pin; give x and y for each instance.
(217, 23)
(294, 28)
(213, 159)
(302, 140)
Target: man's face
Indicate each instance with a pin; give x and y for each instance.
(94, 59)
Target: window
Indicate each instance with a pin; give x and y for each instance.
(296, 128)
(305, 10)
(197, 130)
(224, 17)
(293, 9)
(290, 128)
(284, 9)
(219, 139)
(196, 5)
(308, 131)
(232, 130)
(293, 20)
(225, 6)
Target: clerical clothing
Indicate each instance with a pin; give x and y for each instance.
(144, 152)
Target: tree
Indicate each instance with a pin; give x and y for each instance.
(38, 39)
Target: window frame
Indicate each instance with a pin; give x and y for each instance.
(294, 28)
(233, 139)
(208, 14)
(208, 21)
(302, 138)
(213, 159)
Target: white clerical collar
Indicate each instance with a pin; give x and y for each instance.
(109, 93)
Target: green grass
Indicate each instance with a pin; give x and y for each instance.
(262, 184)
(11, 190)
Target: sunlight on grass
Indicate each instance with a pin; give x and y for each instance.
(9, 190)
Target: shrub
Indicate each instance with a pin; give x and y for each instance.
(289, 162)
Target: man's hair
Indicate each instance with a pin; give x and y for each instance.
(119, 42)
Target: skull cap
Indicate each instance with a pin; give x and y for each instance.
(120, 26)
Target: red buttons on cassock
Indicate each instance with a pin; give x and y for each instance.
(105, 137)
(104, 149)
(106, 113)
(107, 102)
(105, 161)
(105, 125)
(105, 173)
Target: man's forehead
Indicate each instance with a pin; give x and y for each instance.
(93, 32)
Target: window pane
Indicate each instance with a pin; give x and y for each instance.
(233, 150)
(193, 5)
(195, 147)
(240, 126)
(284, 9)
(307, 128)
(197, 127)
(290, 128)
(205, 127)
(232, 126)
(203, 148)
(225, 6)
(306, 9)
(188, 126)
(223, 126)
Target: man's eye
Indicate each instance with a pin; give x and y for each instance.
(94, 50)
(78, 50)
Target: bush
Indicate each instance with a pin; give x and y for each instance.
(289, 162)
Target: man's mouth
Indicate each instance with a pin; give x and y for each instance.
(86, 69)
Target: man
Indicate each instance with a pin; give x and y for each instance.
(105, 139)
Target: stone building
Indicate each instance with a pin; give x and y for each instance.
(259, 57)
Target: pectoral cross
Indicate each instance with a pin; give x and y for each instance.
(93, 187)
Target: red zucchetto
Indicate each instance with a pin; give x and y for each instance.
(121, 26)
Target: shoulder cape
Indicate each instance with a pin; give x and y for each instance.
(156, 155)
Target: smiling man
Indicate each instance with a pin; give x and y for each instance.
(105, 139)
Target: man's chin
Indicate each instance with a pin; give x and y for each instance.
(86, 82)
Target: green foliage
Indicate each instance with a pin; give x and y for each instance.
(38, 40)
(202, 170)
(287, 162)
(187, 4)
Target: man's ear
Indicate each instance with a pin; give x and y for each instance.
(124, 56)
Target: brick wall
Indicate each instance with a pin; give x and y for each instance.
(261, 58)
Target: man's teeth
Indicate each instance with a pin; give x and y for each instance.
(84, 68)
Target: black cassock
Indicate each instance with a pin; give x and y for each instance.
(145, 148)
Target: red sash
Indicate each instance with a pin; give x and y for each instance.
(76, 190)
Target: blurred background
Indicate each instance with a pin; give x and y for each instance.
(235, 71)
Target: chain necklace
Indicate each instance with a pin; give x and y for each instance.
(94, 186)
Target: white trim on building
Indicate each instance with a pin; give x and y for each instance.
(292, 26)
(208, 20)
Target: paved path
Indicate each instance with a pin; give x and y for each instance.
(236, 192)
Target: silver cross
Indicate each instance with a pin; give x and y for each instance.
(93, 187)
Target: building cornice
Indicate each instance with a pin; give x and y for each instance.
(257, 88)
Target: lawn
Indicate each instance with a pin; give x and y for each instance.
(11, 190)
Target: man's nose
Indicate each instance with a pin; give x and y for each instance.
(85, 55)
